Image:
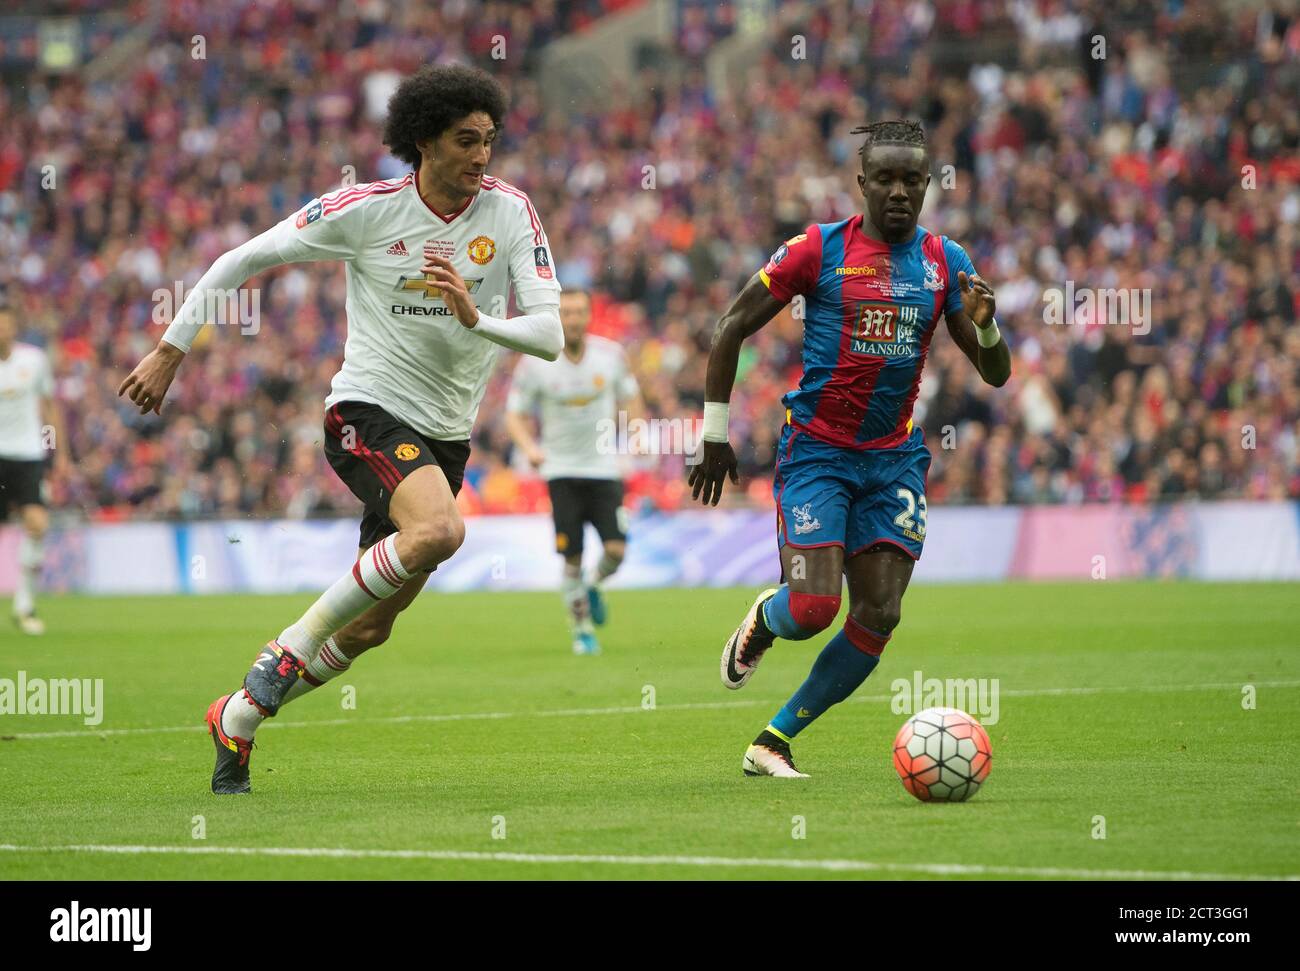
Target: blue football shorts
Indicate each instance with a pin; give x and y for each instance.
(827, 495)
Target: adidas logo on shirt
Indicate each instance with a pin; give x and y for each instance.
(397, 249)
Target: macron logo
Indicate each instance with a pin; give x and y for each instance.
(131, 924)
(397, 249)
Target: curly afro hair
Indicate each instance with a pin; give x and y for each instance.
(432, 99)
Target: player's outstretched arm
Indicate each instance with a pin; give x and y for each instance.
(321, 230)
(748, 313)
(976, 332)
(147, 384)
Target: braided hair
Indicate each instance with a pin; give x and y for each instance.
(895, 132)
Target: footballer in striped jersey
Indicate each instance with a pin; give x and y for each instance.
(851, 466)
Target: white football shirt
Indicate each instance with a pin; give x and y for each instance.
(405, 350)
(25, 379)
(577, 402)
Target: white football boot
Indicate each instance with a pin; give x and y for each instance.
(769, 755)
(746, 646)
(30, 624)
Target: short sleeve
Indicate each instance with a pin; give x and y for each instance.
(958, 261)
(795, 265)
(532, 268)
(45, 377)
(523, 393)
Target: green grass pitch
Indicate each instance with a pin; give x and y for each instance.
(1117, 700)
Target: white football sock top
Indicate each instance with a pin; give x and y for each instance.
(377, 575)
(31, 556)
(575, 596)
(328, 663)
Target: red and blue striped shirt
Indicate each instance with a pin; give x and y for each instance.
(870, 310)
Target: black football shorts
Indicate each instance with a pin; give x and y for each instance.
(20, 484)
(371, 451)
(576, 502)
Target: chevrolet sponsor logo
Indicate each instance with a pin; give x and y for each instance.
(430, 289)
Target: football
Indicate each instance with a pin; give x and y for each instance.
(942, 755)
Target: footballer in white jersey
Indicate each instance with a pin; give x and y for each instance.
(432, 261)
(27, 418)
(575, 398)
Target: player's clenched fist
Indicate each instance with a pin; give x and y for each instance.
(147, 385)
(716, 465)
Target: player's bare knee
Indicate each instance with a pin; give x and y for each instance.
(371, 635)
(814, 612)
(879, 617)
(433, 541)
(35, 520)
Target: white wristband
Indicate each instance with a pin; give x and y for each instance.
(715, 421)
(988, 336)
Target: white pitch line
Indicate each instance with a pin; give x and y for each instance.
(833, 866)
(389, 720)
(1151, 689)
(624, 710)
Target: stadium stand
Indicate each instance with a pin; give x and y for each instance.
(1131, 171)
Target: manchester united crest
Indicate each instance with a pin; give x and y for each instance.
(482, 249)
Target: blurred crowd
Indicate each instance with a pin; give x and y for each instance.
(1167, 162)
